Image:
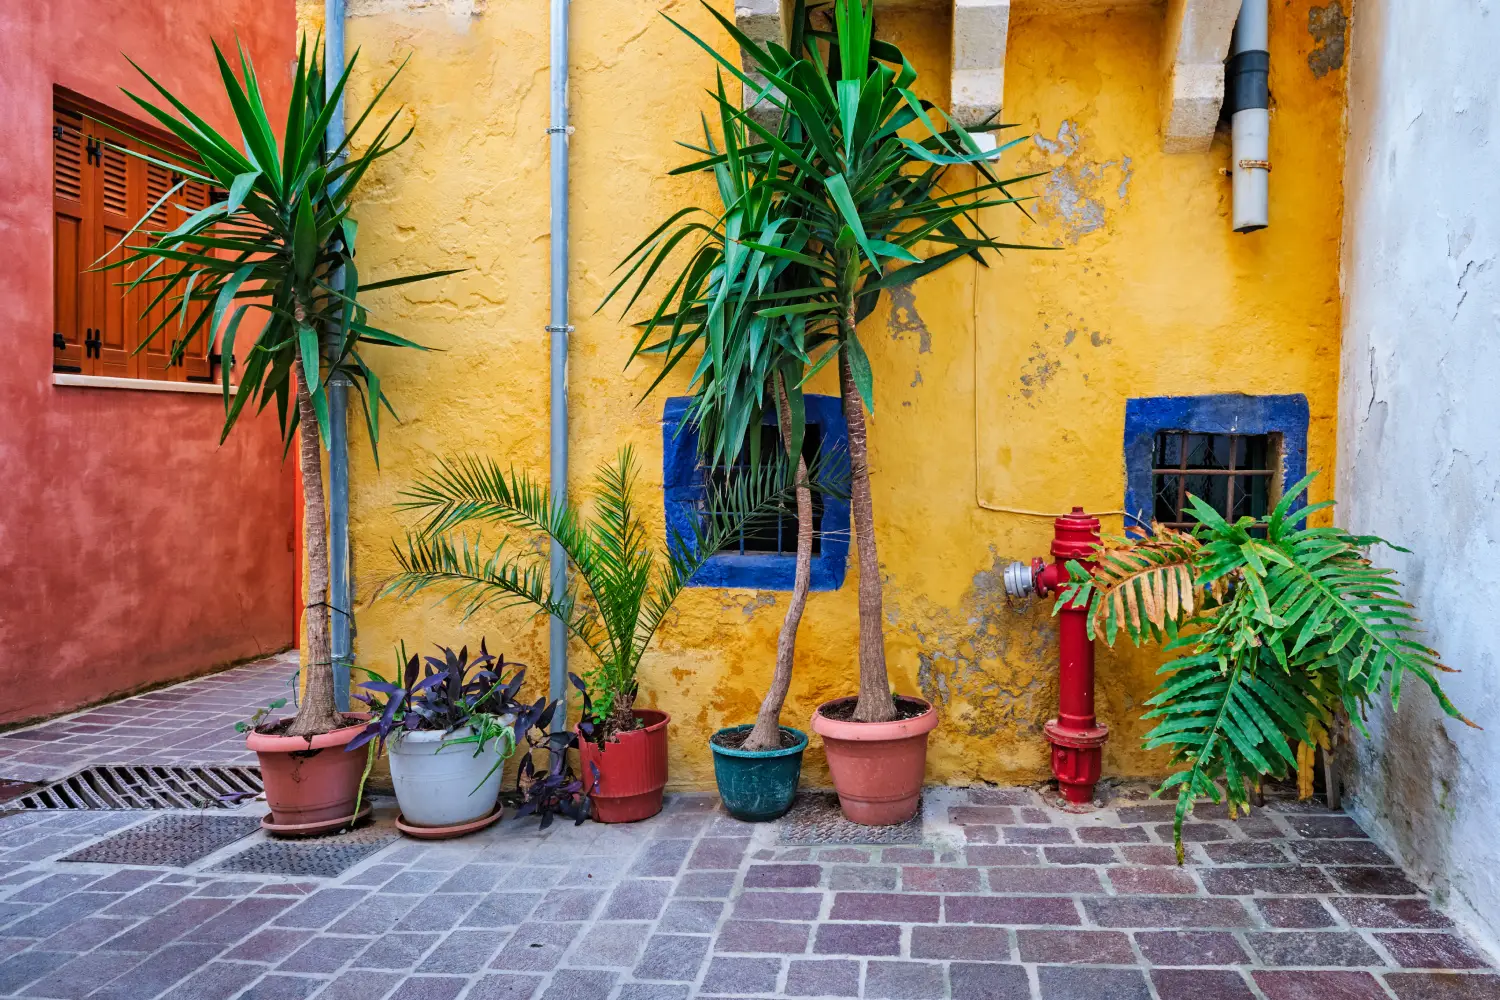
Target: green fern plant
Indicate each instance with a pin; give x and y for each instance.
(621, 588)
(1278, 627)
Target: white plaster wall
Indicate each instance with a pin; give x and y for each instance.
(1419, 419)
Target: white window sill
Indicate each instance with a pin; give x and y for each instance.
(139, 384)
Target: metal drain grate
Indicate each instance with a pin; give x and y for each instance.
(147, 786)
(815, 818)
(324, 858)
(173, 841)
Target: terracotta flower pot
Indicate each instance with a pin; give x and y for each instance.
(632, 771)
(877, 767)
(311, 785)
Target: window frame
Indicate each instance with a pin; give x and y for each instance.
(683, 489)
(1230, 413)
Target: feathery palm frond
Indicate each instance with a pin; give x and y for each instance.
(1290, 629)
(627, 590)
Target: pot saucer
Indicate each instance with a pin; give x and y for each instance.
(448, 832)
(312, 829)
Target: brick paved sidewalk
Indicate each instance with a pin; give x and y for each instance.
(1006, 899)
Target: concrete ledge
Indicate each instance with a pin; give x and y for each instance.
(981, 29)
(1197, 40)
(139, 384)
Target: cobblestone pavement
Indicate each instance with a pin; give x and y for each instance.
(190, 723)
(1007, 898)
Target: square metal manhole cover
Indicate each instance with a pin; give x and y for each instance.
(815, 818)
(172, 841)
(324, 858)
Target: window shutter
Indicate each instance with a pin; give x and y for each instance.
(69, 222)
(194, 365)
(122, 200)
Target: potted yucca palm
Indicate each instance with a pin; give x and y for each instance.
(850, 202)
(279, 249)
(620, 592)
(1278, 627)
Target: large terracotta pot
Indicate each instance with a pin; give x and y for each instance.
(632, 771)
(877, 767)
(311, 785)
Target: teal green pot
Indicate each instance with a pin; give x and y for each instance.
(758, 785)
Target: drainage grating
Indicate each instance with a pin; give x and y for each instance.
(148, 786)
(171, 841)
(325, 857)
(815, 819)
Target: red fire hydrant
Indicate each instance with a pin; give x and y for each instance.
(1076, 736)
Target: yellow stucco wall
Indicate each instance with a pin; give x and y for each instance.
(1004, 387)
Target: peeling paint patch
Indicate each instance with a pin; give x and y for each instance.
(906, 320)
(916, 378)
(1328, 26)
(1078, 189)
(1039, 370)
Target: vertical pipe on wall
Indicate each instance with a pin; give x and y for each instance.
(1249, 96)
(338, 403)
(558, 330)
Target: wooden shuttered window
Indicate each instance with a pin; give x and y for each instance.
(99, 192)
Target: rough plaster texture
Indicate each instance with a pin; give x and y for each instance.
(1418, 458)
(1148, 294)
(134, 548)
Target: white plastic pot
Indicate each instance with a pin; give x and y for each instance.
(440, 785)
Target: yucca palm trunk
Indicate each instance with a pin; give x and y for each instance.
(767, 732)
(875, 702)
(317, 713)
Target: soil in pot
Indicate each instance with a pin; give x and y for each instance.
(632, 770)
(440, 783)
(757, 785)
(877, 767)
(311, 784)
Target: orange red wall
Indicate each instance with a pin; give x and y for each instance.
(134, 548)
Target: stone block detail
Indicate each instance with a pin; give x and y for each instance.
(1197, 40)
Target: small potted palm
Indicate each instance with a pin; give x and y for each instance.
(622, 589)
(278, 249)
(1277, 628)
(851, 199)
(449, 726)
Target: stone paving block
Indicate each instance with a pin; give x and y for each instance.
(504, 987)
(462, 952)
(1069, 982)
(1194, 833)
(275, 987)
(763, 937)
(1074, 947)
(692, 916)
(1149, 854)
(924, 878)
(1362, 881)
(981, 834)
(397, 950)
(1284, 880)
(1443, 986)
(862, 877)
(1241, 853)
(661, 858)
(1036, 835)
(29, 966)
(360, 984)
(741, 975)
(895, 907)
(822, 978)
(568, 904)
(152, 934)
(215, 981)
(431, 988)
(501, 909)
(783, 876)
(1060, 881)
(1153, 813)
(417, 883)
(985, 856)
(1148, 881)
(672, 957)
(156, 974)
(1200, 984)
(969, 943)
(81, 976)
(986, 981)
(718, 853)
(846, 855)
(1418, 950)
(982, 815)
(473, 878)
(1150, 913)
(1368, 911)
(1112, 835)
(904, 980)
(239, 920)
(1339, 852)
(375, 915)
(270, 945)
(1080, 855)
(908, 856)
(374, 876)
(321, 908)
(1032, 910)
(857, 939)
(787, 905)
(637, 899)
(534, 876)
(50, 888)
(1323, 985)
(90, 932)
(1321, 948)
(611, 945)
(1325, 827)
(1308, 914)
(1190, 948)
(705, 885)
(535, 947)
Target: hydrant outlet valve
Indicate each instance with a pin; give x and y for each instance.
(1076, 736)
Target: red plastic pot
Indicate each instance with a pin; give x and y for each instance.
(877, 767)
(632, 770)
(311, 784)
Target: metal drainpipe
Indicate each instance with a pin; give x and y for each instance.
(1249, 97)
(558, 330)
(338, 404)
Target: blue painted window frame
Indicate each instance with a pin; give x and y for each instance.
(1229, 413)
(682, 482)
